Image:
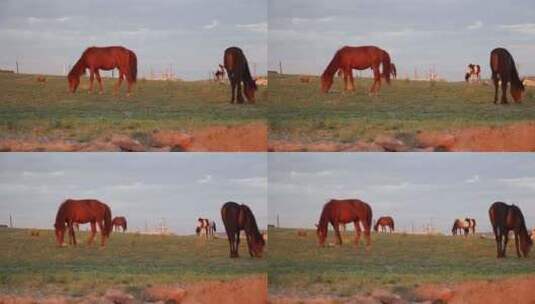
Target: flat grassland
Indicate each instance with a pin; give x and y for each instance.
(300, 113)
(130, 262)
(396, 262)
(46, 111)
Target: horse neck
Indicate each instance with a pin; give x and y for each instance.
(79, 67)
(332, 67)
(324, 219)
(251, 227)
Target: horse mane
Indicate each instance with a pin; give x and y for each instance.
(333, 66)
(523, 229)
(252, 227)
(79, 67)
(324, 217)
(60, 216)
(247, 78)
(515, 78)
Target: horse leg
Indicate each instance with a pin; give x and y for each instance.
(351, 81)
(367, 235)
(102, 235)
(97, 74)
(129, 88)
(517, 245)
(230, 237)
(337, 233)
(118, 84)
(237, 244)
(497, 237)
(505, 240)
(376, 81)
(239, 93)
(232, 89)
(93, 232)
(495, 81)
(91, 79)
(357, 233)
(504, 92)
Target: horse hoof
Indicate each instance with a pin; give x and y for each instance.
(100, 93)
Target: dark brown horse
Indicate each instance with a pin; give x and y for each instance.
(505, 218)
(238, 217)
(104, 58)
(238, 72)
(503, 69)
(386, 223)
(360, 58)
(83, 211)
(119, 222)
(338, 212)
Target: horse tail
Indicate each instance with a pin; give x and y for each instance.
(132, 64)
(387, 68)
(215, 230)
(125, 225)
(107, 221)
(370, 216)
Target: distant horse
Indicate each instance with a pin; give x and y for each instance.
(119, 222)
(219, 75)
(238, 217)
(503, 69)
(238, 72)
(83, 211)
(393, 71)
(104, 58)
(207, 225)
(473, 72)
(386, 223)
(338, 212)
(463, 225)
(505, 218)
(360, 58)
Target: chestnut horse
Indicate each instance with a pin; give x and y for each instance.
(360, 58)
(104, 58)
(338, 212)
(386, 222)
(238, 217)
(238, 72)
(505, 218)
(83, 211)
(119, 222)
(503, 69)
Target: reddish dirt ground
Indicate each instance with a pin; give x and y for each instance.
(513, 290)
(250, 137)
(248, 290)
(519, 137)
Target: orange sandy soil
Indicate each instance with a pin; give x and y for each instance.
(250, 137)
(248, 290)
(518, 137)
(513, 290)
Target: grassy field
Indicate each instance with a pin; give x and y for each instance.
(300, 112)
(130, 261)
(32, 109)
(396, 262)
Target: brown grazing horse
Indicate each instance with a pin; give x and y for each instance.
(505, 218)
(503, 69)
(386, 223)
(83, 211)
(119, 222)
(238, 72)
(338, 212)
(360, 58)
(240, 217)
(104, 58)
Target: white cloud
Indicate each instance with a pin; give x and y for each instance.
(391, 187)
(212, 25)
(476, 25)
(524, 28)
(473, 179)
(520, 182)
(206, 179)
(254, 182)
(260, 27)
(295, 174)
(42, 174)
(34, 20)
(297, 21)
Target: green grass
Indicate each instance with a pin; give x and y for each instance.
(130, 261)
(31, 109)
(300, 112)
(397, 262)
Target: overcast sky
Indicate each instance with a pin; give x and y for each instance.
(444, 34)
(190, 35)
(415, 188)
(144, 187)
